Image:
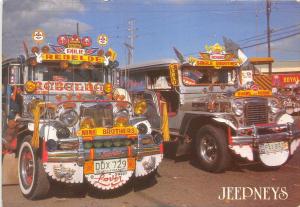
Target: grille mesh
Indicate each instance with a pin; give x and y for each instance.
(256, 112)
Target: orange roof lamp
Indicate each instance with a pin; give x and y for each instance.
(261, 60)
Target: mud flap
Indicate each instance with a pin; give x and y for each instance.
(182, 148)
(10, 170)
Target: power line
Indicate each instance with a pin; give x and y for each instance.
(277, 30)
(273, 34)
(281, 38)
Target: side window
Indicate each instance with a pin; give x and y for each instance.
(158, 80)
(194, 77)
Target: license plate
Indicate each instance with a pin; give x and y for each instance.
(268, 148)
(107, 166)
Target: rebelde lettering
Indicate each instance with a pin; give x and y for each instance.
(253, 193)
(70, 57)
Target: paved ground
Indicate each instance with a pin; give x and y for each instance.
(178, 184)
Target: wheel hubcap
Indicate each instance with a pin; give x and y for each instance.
(27, 167)
(208, 149)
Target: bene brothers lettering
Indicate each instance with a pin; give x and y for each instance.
(58, 86)
(109, 131)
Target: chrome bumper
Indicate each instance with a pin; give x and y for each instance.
(80, 155)
(257, 134)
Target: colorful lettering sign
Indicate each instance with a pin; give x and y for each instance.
(215, 56)
(247, 93)
(173, 70)
(283, 80)
(108, 131)
(72, 57)
(212, 63)
(67, 87)
(77, 50)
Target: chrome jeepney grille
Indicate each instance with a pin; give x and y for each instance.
(101, 113)
(256, 112)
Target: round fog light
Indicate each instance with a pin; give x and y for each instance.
(62, 132)
(143, 129)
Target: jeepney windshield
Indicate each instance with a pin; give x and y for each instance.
(194, 76)
(72, 74)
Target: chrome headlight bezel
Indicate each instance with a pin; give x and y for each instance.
(274, 106)
(69, 117)
(238, 107)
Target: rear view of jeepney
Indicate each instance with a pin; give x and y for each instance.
(76, 127)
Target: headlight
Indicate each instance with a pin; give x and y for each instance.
(121, 118)
(62, 132)
(238, 108)
(140, 107)
(87, 123)
(69, 117)
(274, 106)
(30, 86)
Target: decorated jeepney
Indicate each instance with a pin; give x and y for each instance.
(66, 121)
(215, 110)
(285, 86)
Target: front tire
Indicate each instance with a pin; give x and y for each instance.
(212, 149)
(33, 180)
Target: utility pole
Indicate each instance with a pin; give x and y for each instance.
(131, 38)
(268, 10)
(77, 28)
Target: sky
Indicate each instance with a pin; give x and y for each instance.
(160, 25)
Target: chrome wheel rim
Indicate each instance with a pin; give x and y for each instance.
(208, 149)
(27, 167)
